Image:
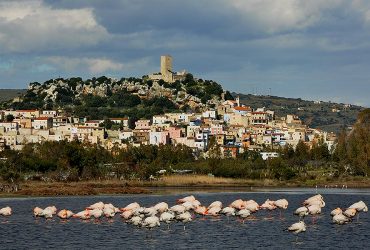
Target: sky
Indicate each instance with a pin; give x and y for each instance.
(315, 50)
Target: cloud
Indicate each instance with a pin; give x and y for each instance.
(92, 65)
(28, 26)
(283, 15)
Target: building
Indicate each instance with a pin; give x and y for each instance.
(166, 73)
(142, 124)
(42, 123)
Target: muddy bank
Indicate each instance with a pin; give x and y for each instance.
(76, 188)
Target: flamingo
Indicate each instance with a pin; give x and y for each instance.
(188, 205)
(83, 215)
(48, 212)
(297, 228)
(151, 222)
(109, 212)
(196, 203)
(37, 211)
(336, 211)
(228, 211)
(315, 200)
(215, 204)
(184, 218)
(190, 198)
(139, 212)
(314, 210)
(161, 207)
(6, 211)
(150, 211)
(127, 214)
(53, 209)
(110, 206)
(178, 209)
(200, 210)
(360, 207)
(350, 212)
(281, 204)
(167, 217)
(340, 219)
(213, 211)
(237, 204)
(243, 213)
(135, 220)
(96, 213)
(98, 205)
(251, 205)
(131, 206)
(268, 204)
(65, 214)
(301, 212)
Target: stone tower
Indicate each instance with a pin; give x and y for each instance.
(166, 68)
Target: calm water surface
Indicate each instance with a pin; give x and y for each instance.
(22, 231)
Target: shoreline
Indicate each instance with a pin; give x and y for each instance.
(172, 184)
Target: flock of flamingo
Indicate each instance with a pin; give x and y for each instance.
(186, 209)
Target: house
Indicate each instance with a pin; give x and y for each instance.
(268, 155)
(259, 118)
(32, 113)
(141, 137)
(48, 113)
(9, 126)
(242, 110)
(93, 123)
(93, 135)
(175, 132)
(142, 125)
(209, 114)
(125, 134)
(42, 123)
(230, 151)
(216, 129)
(160, 119)
(60, 121)
(158, 137)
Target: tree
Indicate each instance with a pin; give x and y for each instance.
(9, 118)
(228, 96)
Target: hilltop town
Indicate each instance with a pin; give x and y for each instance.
(200, 115)
(157, 126)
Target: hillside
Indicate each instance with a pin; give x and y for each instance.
(104, 97)
(325, 115)
(9, 94)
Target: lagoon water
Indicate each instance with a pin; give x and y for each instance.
(22, 231)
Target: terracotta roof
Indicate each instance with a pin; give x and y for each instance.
(243, 108)
(42, 118)
(118, 118)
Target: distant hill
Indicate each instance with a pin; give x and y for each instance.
(328, 116)
(9, 94)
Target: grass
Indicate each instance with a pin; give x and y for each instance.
(33, 188)
(96, 187)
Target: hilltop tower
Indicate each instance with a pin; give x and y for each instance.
(166, 68)
(166, 73)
